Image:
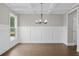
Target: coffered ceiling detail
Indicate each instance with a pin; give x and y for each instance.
(35, 8)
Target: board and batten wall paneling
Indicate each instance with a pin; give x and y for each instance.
(42, 34)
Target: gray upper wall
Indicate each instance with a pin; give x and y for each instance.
(4, 14)
(29, 20)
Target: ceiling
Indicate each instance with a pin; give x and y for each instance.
(35, 8)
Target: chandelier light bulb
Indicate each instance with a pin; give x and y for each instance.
(40, 20)
(36, 21)
(45, 22)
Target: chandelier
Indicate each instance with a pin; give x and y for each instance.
(41, 19)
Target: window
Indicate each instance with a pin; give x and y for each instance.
(12, 27)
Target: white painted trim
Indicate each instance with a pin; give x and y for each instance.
(78, 31)
(72, 10)
(77, 23)
(75, 5)
(70, 44)
(66, 28)
(38, 42)
(77, 50)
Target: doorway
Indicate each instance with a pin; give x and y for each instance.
(72, 28)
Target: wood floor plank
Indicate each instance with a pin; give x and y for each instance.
(41, 49)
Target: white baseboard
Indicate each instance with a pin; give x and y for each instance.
(65, 43)
(39, 42)
(77, 49)
(69, 44)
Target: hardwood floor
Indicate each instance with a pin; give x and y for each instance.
(41, 49)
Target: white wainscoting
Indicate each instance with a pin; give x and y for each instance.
(5, 42)
(42, 34)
